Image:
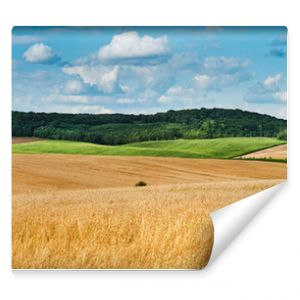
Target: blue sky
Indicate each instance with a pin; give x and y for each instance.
(149, 69)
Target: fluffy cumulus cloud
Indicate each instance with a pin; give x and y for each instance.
(267, 91)
(103, 77)
(141, 70)
(131, 45)
(40, 53)
(125, 83)
(181, 78)
(178, 79)
(181, 82)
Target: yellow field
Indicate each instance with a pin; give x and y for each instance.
(279, 152)
(39, 173)
(72, 211)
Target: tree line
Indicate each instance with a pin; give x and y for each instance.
(116, 129)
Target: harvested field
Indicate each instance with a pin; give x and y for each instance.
(21, 140)
(277, 152)
(73, 211)
(54, 172)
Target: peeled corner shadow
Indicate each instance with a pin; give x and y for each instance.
(230, 221)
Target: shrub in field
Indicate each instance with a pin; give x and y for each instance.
(141, 183)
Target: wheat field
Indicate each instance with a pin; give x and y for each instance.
(40, 173)
(90, 226)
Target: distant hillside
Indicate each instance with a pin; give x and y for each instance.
(116, 129)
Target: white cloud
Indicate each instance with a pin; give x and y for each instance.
(131, 45)
(108, 79)
(39, 53)
(185, 61)
(73, 87)
(222, 64)
(105, 78)
(95, 109)
(220, 72)
(125, 101)
(181, 95)
(104, 110)
(80, 109)
(146, 74)
(165, 99)
(147, 96)
(267, 91)
(205, 81)
(282, 96)
(175, 94)
(61, 98)
(140, 78)
(25, 39)
(272, 81)
(174, 90)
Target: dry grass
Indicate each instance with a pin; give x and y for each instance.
(277, 152)
(158, 226)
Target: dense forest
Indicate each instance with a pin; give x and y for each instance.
(116, 129)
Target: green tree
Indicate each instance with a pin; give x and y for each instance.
(282, 135)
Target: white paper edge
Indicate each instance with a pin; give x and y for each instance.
(231, 220)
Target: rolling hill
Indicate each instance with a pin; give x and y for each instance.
(198, 148)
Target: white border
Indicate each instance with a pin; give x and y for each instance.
(262, 263)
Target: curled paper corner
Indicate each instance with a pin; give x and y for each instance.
(229, 221)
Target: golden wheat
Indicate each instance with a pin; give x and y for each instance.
(74, 211)
(151, 227)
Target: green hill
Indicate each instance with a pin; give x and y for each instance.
(118, 129)
(205, 148)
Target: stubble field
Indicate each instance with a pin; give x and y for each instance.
(277, 152)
